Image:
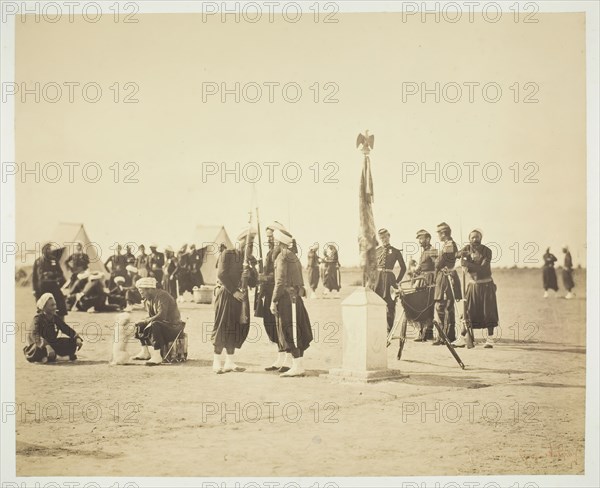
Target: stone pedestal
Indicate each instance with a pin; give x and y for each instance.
(364, 339)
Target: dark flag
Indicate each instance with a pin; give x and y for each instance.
(367, 241)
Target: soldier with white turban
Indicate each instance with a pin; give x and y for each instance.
(230, 328)
(43, 343)
(265, 294)
(163, 324)
(481, 309)
(567, 273)
(293, 324)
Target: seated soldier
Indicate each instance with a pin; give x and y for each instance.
(43, 343)
(163, 325)
(76, 288)
(94, 296)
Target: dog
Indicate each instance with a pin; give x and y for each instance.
(123, 333)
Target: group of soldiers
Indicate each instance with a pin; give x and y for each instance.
(438, 269)
(549, 273)
(91, 291)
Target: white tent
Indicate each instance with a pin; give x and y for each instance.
(210, 238)
(65, 235)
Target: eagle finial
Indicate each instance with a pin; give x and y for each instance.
(367, 141)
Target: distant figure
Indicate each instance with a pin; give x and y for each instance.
(567, 273)
(170, 272)
(313, 269)
(129, 256)
(142, 262)
(156, 261)
(48, 277)
(196, 260)
(331, 280)
(77, 263)
(549, 273)
(183, 273)
(116, 265)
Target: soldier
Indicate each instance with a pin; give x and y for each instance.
(263, 298)
(116, 265)
(293, 324)
(141, 262)
(77, 263)
(567, 273)
(230, 328)
(163, 324)
(481, 309)
(444, 295)
(313, 269)
(387, 256)
(549, 273)
(331, 274)
(183, 273)
(48, 277)
(170, 272)
(425, 276)
(196, 259)
(156, 261)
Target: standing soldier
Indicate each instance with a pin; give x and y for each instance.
(156, 261)
(196, 259)
(425, 276)
(141, 262)
(568, 273)
(549, 273)
(313, 269)
(293, 324)
(230, 329)
(444, 295)
(48, 277)
(170, 272)
(77, 263)
(116, 265)
(481, 309)
(183, 273)
(264, 296)
(387, 256)
(331, 274)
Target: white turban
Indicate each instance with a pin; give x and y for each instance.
(276, 226)
(96, 275)
(283, 237)
(41, 303)
(84, 274)
(131, 268)
(119, 279)
(146, 283)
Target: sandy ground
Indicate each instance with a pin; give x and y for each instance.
(517, 409)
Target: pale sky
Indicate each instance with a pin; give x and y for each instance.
(171, 131)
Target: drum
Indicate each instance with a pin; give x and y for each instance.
(418, 303)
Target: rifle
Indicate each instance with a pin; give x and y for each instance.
(245, 310)
(260, 249)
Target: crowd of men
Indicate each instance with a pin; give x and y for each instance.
(158, 279)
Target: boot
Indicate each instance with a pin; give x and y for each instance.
(155, 358)
(278, 362)
(546, 294)
(428, 335)
(287, 363)
(569, 295)
(143, 355)
(489, 342)
(230, 365)
(451, 334)
(216, 367)
(460, 342)
(296, 370)
(313, 295)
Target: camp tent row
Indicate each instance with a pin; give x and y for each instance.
(205, 237)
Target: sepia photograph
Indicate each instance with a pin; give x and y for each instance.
(299, 244)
